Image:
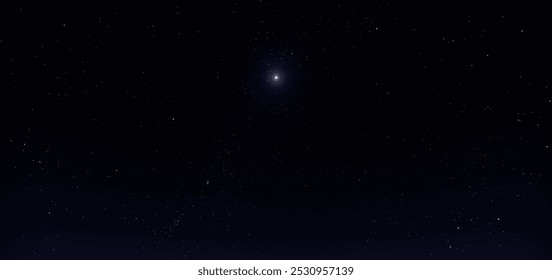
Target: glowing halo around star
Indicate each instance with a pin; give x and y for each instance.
(274, 76)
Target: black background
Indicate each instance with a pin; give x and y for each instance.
(148, 130)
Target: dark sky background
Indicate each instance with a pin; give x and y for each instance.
(396, 130)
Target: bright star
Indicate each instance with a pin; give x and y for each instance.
(276, 77)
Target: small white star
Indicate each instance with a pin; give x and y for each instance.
(276, 77)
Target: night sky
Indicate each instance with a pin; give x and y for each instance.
(271, 130)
